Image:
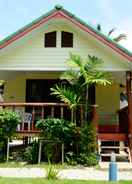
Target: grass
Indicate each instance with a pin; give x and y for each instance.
(22, 164)
(44, 181)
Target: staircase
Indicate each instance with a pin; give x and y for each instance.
(120, 148)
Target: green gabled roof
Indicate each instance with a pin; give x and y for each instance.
(60, 8)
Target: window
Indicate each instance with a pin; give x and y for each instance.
(66, 39)
(50, 39)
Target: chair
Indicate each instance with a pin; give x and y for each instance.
(26, 119)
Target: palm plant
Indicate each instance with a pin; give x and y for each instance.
(82, 74)
(118, 38)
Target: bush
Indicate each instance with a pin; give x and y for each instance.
(56, 129)
(71, 158)
(87, 159)
(31, 153)
(8, 124)
(88, 140)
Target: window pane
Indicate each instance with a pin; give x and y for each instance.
(50, 39)
(66, 39)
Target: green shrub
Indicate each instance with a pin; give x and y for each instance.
(8, 123)
(31, 153)
(87, 159)
(71, 158)
(56, 129)
(88, 140)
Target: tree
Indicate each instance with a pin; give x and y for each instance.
(82, 74)
(117, 38)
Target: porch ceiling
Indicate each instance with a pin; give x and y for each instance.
(117, 76)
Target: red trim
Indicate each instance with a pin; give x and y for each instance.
(112, 137)
(28, 30)
(108, 129)
(60, 14)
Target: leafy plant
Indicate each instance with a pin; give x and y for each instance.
(88, 141)
(82, 74)
(87, 159)
(8, 123)
(56, 129)
(52, 172)
(71, 158)
(31, 153)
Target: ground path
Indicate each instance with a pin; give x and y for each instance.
(74, 173)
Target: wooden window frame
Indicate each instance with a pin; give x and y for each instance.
(66, 39)
(50, 43)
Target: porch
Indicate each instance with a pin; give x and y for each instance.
(109, 126)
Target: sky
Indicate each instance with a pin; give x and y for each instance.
(109, 13)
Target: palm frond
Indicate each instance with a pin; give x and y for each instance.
(71, 76)
(74, 61)
(120, 37)
(111, 31)
(66, 94)
(98, 78)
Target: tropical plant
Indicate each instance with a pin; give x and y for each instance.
(56, 129)
(52, 172)
(82, 74)
(118, 38)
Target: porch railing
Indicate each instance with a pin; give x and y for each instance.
(31, 112)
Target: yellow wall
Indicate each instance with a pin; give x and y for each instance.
(108, 98)
(15, 90)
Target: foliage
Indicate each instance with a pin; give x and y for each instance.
(88, 139)
(31, 153)
(66, 94)
(56, 129)
(118, 38)
(71, 158)
(16, 156)
(8, 123)
(86, 145)
(82, 74)
(87, 159)
(52, 172)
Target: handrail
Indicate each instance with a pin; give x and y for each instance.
(31, 104)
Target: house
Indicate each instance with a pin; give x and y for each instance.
(33, 58)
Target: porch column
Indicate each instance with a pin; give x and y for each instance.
(129, 95)
(95, 118)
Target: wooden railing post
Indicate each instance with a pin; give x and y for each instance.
(33, 118)
(95, 118)
(129, 95)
